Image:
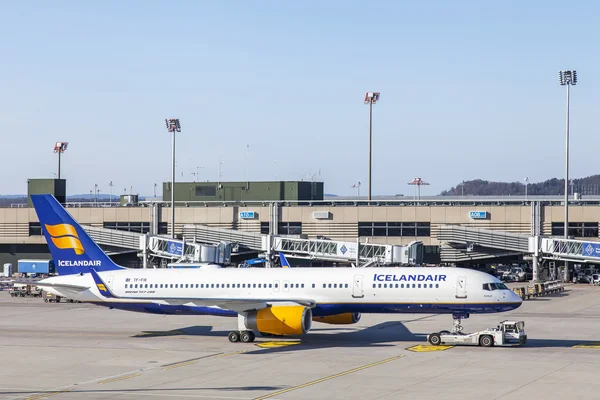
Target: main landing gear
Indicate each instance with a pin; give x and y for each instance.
(243, 336)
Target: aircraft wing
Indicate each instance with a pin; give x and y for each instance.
(238, 305)
(235, 304)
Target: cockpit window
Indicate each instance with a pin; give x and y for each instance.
(494, 286)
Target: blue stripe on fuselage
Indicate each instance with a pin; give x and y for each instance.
(322, 310)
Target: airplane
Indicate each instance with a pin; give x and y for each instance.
(266, 301)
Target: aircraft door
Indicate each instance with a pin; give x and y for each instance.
(109, 281)
(357, 287)
(285, 286)
(461, 287)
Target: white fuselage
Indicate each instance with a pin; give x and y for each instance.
(334, 290)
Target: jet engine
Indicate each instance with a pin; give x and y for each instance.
(339, 319)
(280, 320)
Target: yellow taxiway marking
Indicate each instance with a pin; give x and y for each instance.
(328, 378)
(230, 354)
(44, 395)
(424, 348)
(120, 378)
(196, 360)
(270, 345)
(587, 346)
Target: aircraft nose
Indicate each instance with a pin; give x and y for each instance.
(514, 298)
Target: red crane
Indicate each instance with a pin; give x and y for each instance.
(418, 182)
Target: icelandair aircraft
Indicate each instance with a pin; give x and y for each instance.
(274, 301)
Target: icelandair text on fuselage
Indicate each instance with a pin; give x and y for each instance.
(79, 263)
(409, 278)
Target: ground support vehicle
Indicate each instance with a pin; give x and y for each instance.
(507, 333)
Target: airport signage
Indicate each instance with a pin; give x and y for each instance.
(247, 214)
(590, 249)
(347, 249)
(478, 214)
(175, 248)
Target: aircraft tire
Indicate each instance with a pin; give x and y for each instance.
(247, 336)
(234, 337)
(435, 339)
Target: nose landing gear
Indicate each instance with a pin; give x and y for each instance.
(457, 318)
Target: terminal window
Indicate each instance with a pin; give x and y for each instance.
(396, 229)
(206, 191)
(264, 228)
(139, 227)
(576, 229)
(290, 228)
(35, 229)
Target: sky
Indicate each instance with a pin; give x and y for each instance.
(274, 90)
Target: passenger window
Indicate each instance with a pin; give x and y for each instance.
(302, 286)
(414, 286)
(254, 285)
(212, 285)
(259, 286)
(146, 286)
(228, 286)
(239, 285)
(197, 286)
(176, 285)
(437, 285)
(335, 285)
(126, 286)
(385, 285)
(431, 286)
(313, 285)
(285, 285)
(270, 285)
(346, 286)
(324, 285)
(402, 286)
(297, 285)
(374, 285)
(276, 285)
(379, 286)
(330, 286)
(171, 286)
(396, 286)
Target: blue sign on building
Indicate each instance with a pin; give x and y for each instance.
(478, 214)
(590, 249)
(247, 214)
(175, 248)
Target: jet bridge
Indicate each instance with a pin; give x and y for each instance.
(461, 243)
(566, 249)
(351, 252)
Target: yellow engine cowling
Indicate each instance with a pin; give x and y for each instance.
(280, 320)
(339, 319)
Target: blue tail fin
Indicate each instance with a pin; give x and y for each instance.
(284, 261)
(72, 249)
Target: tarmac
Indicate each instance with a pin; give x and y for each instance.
(82, 351)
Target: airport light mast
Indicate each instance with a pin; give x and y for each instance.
(370, 99)
(418, 182)
(567, 78)
(173, 126)
(60, 147)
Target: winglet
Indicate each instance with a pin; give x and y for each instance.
(102, 288)
(284, 261)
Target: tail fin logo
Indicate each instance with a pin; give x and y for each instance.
(64, 236)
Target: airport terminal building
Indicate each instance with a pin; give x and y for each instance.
(454, 230)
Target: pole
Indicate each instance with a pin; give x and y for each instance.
(173, 189)
(526, 185)
(370, 142)
(567, 171)
(59, 164)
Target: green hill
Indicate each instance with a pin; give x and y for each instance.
(587, 186)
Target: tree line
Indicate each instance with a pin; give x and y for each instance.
(586, 186)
